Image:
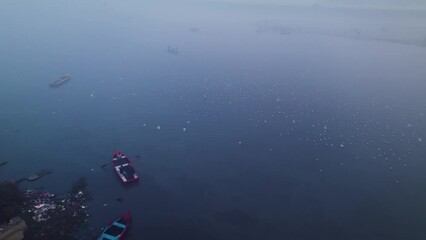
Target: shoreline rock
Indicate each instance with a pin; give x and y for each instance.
(13, 230)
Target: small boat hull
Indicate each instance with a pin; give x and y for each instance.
(124, 167)
(59, 82)
(117, 229)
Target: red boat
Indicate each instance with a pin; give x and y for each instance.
(124, 168)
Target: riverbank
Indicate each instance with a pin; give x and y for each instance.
(46, 215)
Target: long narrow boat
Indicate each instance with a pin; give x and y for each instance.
(117, 229)
(60, 81)
(123, 167)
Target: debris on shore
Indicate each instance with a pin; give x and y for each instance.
(46, 215)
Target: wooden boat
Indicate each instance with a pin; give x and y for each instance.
(117, 229)
(60, 81)
(123, 167)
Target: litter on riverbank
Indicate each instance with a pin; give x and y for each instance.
(47, 216)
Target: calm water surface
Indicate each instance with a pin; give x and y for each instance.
(242, 135)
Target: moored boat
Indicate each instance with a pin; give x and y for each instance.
(60, 81)
(123, 167)
(117, 229)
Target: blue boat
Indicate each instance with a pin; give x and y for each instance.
(117, 229)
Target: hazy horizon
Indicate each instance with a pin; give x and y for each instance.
(385, 4)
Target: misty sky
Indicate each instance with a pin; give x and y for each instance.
(352, 3)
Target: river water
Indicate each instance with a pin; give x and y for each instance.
(241, 135)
